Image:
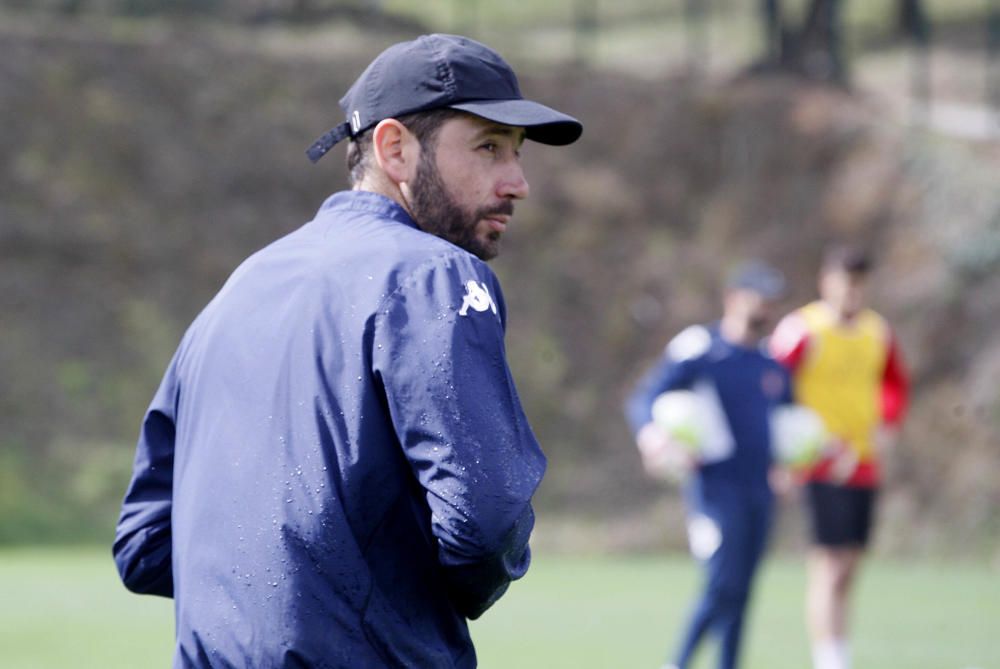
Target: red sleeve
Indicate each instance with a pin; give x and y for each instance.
(790, 341)
(895, 386)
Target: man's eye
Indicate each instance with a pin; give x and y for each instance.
(489, 146)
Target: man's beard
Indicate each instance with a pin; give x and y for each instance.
(758, 325)
(436, 212)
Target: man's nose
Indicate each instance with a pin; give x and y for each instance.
(513, 184)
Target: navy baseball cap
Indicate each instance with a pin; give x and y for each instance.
(437, 71)
(758, 277)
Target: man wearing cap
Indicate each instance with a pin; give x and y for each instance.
(729, 493)
(336, 470)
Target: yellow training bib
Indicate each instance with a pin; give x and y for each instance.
(840, 376)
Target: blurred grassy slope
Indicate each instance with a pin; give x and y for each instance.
(141, 161)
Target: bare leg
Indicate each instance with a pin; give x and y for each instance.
(831, 574)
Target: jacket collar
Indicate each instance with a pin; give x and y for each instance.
(369, 202)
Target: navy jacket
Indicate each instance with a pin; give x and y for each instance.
(336, 470)
(740, 386)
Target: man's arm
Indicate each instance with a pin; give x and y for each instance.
(790, 341)
(895, 386)
(142, 548)
(439, 353)
(895, 393)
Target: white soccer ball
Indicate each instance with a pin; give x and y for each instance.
(681, 414)
(798, 435)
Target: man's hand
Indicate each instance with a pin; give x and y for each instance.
(782, 481)
(662, 457)
(885, 439)
(844, 463)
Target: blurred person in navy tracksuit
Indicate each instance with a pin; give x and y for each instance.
(729, 490)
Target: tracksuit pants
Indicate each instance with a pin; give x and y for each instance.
(728, 526)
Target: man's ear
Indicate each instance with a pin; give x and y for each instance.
(396, 149)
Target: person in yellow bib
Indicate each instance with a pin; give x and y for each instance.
(846, 366)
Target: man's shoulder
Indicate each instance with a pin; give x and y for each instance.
(873, 319)
(435, 275)
(814, 314)
(691, 343)
(429, 255)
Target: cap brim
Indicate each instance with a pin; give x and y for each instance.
(543, 124)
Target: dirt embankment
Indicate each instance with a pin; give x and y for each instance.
(138, 168)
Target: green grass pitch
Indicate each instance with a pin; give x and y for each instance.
(64, 607)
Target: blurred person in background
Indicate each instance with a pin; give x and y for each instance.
(729, 493)
(336, 470)
(846, 366)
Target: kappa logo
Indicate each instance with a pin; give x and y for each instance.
(477, 297)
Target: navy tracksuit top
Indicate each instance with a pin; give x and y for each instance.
(742, 385)
(336, 470)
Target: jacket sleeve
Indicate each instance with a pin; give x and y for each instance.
(439, 354)
(676, 370)
(142, 547)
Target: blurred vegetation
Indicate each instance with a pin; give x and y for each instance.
(143, 158)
